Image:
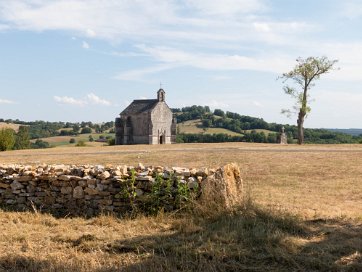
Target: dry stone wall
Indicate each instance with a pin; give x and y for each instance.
(89, 190)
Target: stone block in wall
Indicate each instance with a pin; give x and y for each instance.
(49, 200)
(192, 183)
(10, 202)
(181, 171)
(139, 192)
(82, 183)
(104, 193)
(66, 190)
(64, 177)
(100, 187)
(91, 181)
(203, 172)
(36, 200)
(24, 178)
(104, 175)
(91, 191)
(145, 178)
(106, 181)
(4, 185)
(33, 182)
(105, 202)
(15, 185)
(142, 174)
(40, 194)
(78, 192)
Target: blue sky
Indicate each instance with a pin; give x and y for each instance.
(78, 60)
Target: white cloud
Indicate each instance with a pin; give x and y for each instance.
(226, 7)
(110, 20)
(203, 27)
(221, 77)
(94, 99)
(6, 101)
(90, 98)
(171, 58)
(351, 9)
(263, 27)
(175, 57)
(142, 20)
(257, 104)
(139, 74)
(69, 100)
(217, 104)
(3, 27)
(85, 45)
(347, 54)
(90, 33)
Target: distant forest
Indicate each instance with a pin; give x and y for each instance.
(248, 126)
(43, 129)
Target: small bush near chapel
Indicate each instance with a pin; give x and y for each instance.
(81, 143)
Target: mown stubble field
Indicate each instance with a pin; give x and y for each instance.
(305, 215)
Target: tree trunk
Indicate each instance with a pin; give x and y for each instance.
(300, 122)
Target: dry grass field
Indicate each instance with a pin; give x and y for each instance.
(12, 126)
(304, 214)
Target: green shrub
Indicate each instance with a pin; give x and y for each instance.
(7, 139)
(86, 130)
(111, 141)
(81, 143)
(40, 144)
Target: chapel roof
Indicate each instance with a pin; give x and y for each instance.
(140, 106)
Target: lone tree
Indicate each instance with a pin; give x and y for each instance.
(304, 74)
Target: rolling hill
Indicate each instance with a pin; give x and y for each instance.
(9, 125)
(196, 127)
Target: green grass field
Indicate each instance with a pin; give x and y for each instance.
(64, 140)
(261, 130)
(194, 126)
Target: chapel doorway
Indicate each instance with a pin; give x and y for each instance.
(162, 139)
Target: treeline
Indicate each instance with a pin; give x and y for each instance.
(253, 137)
(323, 136)
(247, 125)
(43, 129)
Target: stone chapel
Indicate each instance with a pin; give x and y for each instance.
(146, 121)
